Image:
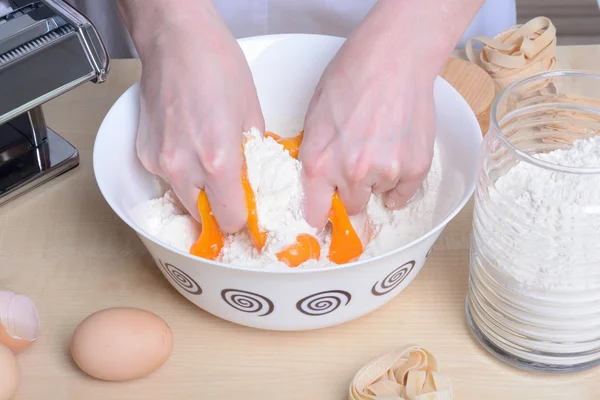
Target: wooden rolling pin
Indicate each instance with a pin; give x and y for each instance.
(475, 85)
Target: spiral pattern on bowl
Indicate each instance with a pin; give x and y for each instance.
(393, 279)
(323, 303)
(182, 279)
(248, 302)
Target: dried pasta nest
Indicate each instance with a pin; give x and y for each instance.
(407, 373)
(517, 52)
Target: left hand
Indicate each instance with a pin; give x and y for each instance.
(370, 127)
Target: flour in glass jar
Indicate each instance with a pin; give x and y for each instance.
(275, 178)
(540, 244)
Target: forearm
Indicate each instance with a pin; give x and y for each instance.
(419, 31)
(156, 25)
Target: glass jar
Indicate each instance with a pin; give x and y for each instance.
(534, 279)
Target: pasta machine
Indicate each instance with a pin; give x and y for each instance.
(47, 48)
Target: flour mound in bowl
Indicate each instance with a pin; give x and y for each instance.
(275, 179)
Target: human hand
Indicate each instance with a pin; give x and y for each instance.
(369, 128)
(197, 98)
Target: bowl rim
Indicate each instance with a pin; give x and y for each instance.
(470, 188)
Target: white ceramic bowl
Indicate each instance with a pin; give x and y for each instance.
(286, 69)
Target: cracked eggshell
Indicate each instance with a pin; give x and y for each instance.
(19, 321)
(121, 343)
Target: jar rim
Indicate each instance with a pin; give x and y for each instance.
(520, 154)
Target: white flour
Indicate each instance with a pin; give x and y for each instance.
(275, 178)
(535, 264)
(166, 219)
(551, 237)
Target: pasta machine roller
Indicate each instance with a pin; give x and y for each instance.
(47, 47)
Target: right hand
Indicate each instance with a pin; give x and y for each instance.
(197, 99)
(370, 126)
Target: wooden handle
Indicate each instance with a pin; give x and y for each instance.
(475, 85)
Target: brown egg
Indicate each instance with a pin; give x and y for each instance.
(9, 373)
(118, 344)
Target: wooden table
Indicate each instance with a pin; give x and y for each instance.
(63, 246)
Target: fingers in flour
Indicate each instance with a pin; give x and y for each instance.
(226, 193)
(317, 198)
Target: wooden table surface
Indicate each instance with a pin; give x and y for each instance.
(64, 247)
